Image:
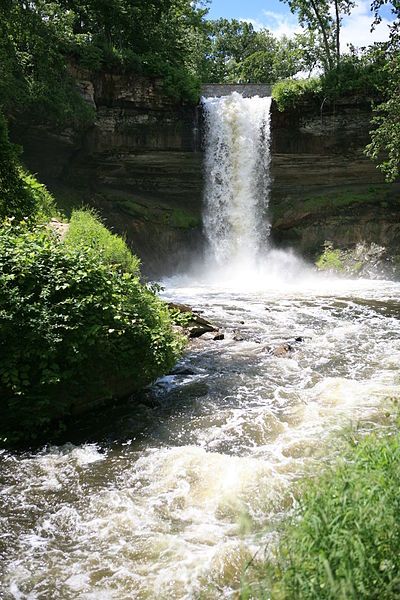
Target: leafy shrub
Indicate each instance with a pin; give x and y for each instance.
(15, 199)
(362, 76)
(344, 540)
(44, 205)
(330, 259)
(86, 230)
(71, 327)
(21, 195)
(289, 92)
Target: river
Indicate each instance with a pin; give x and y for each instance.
(173, 497)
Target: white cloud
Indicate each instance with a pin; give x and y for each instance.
(278, 23)
(356, 27)
(281, 24)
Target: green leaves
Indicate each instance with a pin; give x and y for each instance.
(69, 321)
(342, 541)
(385, 137)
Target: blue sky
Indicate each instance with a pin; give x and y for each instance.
(276, 16)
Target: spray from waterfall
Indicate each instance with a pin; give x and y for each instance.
(237, 188)
(237, 181)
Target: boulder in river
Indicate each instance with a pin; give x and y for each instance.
(195, 325)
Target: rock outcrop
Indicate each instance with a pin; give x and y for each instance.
(324, 187)
(138, 164)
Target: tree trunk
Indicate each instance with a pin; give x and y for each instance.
(337, 33)
(324, 33)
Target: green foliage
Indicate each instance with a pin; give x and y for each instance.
(180, 318)
(86, 231)
(44, 205)
(21, 195)
(385, 137)
(290, 92)
(330, 259)
(343, 542)
(14, 197)
(34, 77)
(236, 53)
(360, 74)
(71, 326)
(42, 41)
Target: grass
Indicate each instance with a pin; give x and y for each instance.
(343, 541)
(86, 230)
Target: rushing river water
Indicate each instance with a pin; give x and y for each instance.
(177, 496)
(170, 497)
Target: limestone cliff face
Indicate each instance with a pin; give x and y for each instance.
(324, 188)
(138, 164)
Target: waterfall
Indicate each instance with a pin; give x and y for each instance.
(237, 180)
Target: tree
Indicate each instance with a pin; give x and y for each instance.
(280, 58)
(324, 17)
(229, 42)
(236, 53)
(385, 138)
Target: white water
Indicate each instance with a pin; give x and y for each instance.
(171, 499)
(237, 156)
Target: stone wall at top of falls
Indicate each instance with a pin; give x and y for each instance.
(140, 165)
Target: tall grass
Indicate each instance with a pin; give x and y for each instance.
(343, 542)
(86, 230)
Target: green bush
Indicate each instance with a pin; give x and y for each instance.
(21, 195)
(357, 75)
(15, 199)
(344, 541)
(330, 259)
(71, 328)
(86, 231)
(289, 92)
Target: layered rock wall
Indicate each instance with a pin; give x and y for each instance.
(139, 164)
(324, 187)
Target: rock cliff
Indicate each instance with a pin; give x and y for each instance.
(139, 164)
(324, 188)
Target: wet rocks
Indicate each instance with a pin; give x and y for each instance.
(281, 350)
(197, 326)
(285, 349)
(219, 336)
(364, 259)
(182, 371)
(193, 324)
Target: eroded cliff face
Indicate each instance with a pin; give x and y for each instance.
(140, 165)
(324, 188)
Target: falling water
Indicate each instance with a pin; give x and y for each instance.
(237, 157)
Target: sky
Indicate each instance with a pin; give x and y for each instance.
(276, 16)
